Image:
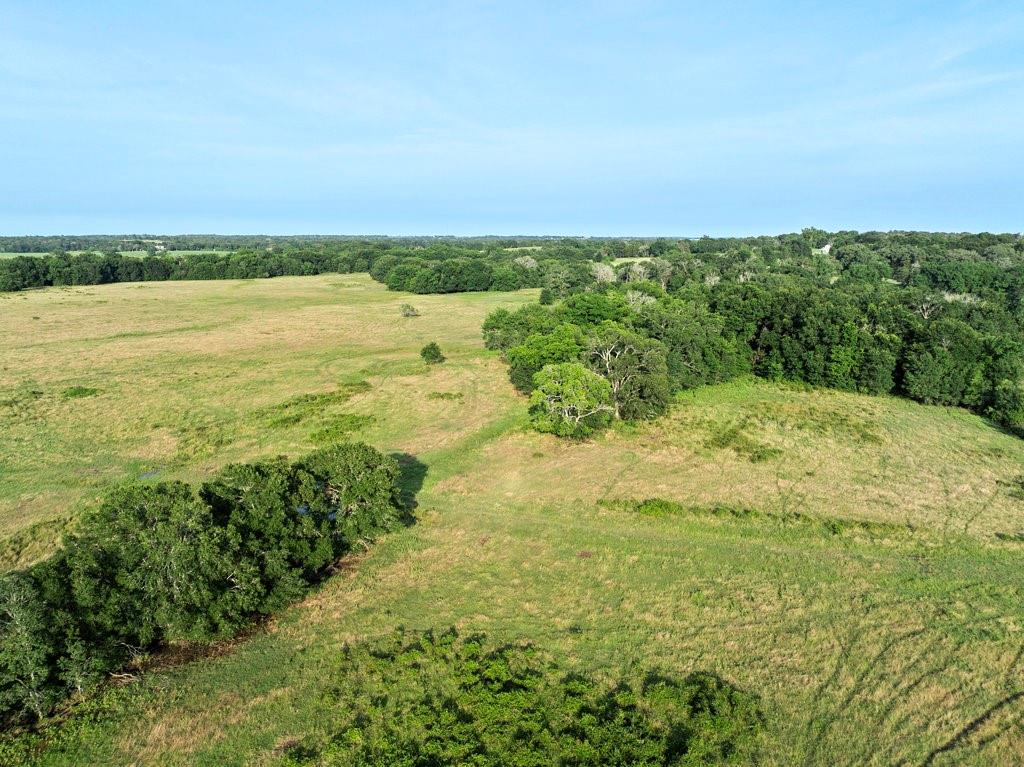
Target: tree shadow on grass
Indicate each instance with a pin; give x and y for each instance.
(411, 476)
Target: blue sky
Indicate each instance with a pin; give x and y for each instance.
(601, 118)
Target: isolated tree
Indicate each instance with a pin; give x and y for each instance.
(431, 354)
(570, 401)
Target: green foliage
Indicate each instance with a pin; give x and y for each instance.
(356, 487)
(635, 368)
(439, 698)
(865, 317)
(154, 563)
(570, 401)
(26, 650)
(698, 350)
(340, 427)
(431, 354)
(503, 328)
(74, 392)
(303, 406)
(585, 309)
(408, 310)
(564, 343)
(1008, 404)
(147, 564)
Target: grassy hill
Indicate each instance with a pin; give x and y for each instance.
(851, 560)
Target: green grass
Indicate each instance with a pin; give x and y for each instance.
(850, 560)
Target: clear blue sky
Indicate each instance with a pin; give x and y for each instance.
(602, 118)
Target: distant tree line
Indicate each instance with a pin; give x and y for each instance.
(164, 242)
(439, 267)
(166, 562)
(965, 265)
(936, 318)
(21, 272)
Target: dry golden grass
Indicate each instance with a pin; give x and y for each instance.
(779, 449)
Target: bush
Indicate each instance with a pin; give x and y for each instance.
(408, 310)
(438, 698)
(431, 354)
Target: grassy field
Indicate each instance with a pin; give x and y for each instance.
(173, 380)
(851, 560)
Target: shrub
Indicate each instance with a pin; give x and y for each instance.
(340, 427)
(439, 698)
(445, 395)
(431, 354)
(74, 392)
(408, 310)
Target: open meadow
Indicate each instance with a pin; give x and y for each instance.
(854, 561)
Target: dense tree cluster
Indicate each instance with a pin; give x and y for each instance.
(166, 562)
(937, 318)
(409, 264)
(21, 272)
(438, 698)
